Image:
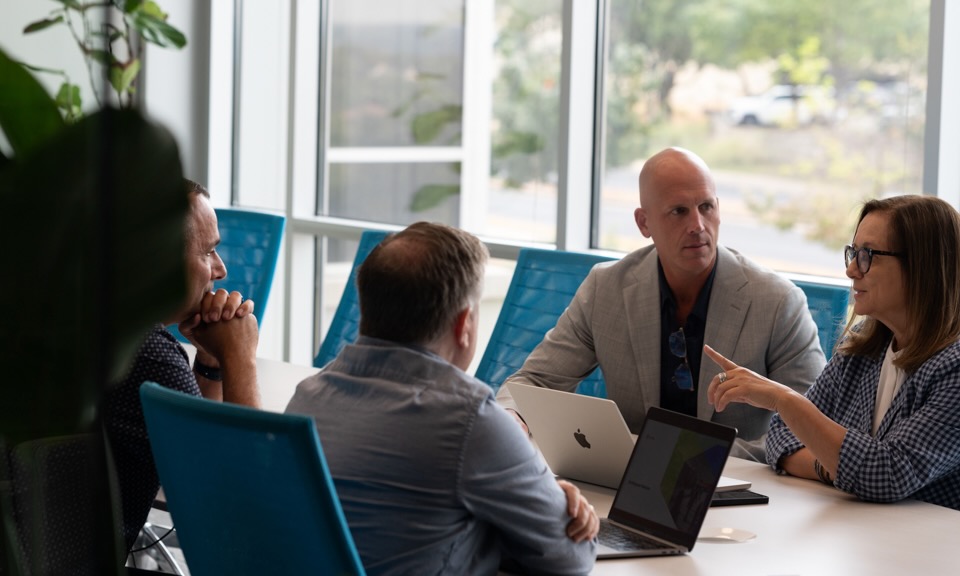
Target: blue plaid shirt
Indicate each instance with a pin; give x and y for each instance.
(916, 452)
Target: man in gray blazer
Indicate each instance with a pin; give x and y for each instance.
(644, 319)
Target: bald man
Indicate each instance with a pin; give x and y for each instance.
(644, 319)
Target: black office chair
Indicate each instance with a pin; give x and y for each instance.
(50, 488)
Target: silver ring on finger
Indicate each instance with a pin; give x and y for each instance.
(722, 376)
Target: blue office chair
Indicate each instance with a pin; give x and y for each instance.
(829, 307)
(249, 491)
(542, 287)
(249, 246)
(346, 320)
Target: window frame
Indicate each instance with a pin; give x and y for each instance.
(584, 43)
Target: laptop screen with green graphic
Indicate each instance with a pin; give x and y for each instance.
(667, 486)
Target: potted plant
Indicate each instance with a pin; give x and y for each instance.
(93, 210)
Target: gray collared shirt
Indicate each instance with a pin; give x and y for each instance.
(433, 476)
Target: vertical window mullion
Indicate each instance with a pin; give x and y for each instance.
(577, 118)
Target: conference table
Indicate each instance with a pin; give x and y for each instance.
(808, 528)
(277, 380)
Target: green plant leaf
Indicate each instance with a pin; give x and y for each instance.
(68, 100)
(150, 8)
(28, 116)
(42, 24)
(131, 5)
(121, 78)
(101, 56)
(41, 69)
(432, 195)
(103, 201)
(156, 31)
(427, 126)
(72, 4)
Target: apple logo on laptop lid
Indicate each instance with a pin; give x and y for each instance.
(581, 438)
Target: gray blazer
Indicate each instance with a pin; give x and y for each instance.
(755, 317)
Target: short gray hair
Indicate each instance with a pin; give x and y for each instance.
(416, 281)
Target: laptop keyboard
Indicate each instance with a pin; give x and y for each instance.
(621, 539)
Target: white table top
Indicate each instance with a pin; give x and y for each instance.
(807, 528)
(277, 380)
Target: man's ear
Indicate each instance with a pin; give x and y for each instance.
(640, 217)
(462, 327)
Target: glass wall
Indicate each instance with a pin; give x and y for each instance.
(802, 110)
(525, 78)
(397, 111)
(395, 85)
(378, 114)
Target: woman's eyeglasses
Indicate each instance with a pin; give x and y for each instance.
(678, 347)
(864, 256)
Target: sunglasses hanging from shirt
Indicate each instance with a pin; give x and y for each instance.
(682, 376)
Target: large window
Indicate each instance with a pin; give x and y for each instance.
(525, 108)
(527, 122)
(394, 119)
(802, 110)
(412, 99)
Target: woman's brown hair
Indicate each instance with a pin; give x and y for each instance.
(926, 230)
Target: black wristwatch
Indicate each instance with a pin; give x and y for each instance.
(208, 372)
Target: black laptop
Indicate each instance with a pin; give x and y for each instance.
(667, 486)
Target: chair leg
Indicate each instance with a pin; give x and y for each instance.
(154, 543)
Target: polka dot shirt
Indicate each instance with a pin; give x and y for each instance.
(160, 359)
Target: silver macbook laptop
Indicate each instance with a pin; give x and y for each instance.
(667, 487)
(583, 437)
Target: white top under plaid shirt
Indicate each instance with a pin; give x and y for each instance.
(916, 450)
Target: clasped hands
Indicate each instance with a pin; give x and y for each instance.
(223, 323)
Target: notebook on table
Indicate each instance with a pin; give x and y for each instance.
(581, 437)
(667, 487)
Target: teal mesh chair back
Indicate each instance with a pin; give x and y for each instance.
(829, 307)
(346, 320)
(249, 491)
(249, 247)
(542, 287)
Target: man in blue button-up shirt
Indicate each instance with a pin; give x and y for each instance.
(434, 477)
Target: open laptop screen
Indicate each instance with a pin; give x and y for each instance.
(671, 476)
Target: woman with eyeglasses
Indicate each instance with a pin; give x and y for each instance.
(883, 419)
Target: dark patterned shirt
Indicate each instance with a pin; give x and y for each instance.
(672, 397)
(160, 359)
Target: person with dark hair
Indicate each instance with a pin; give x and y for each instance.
(882, 421)
(644, 319)
(224, 330)
(433, 476)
